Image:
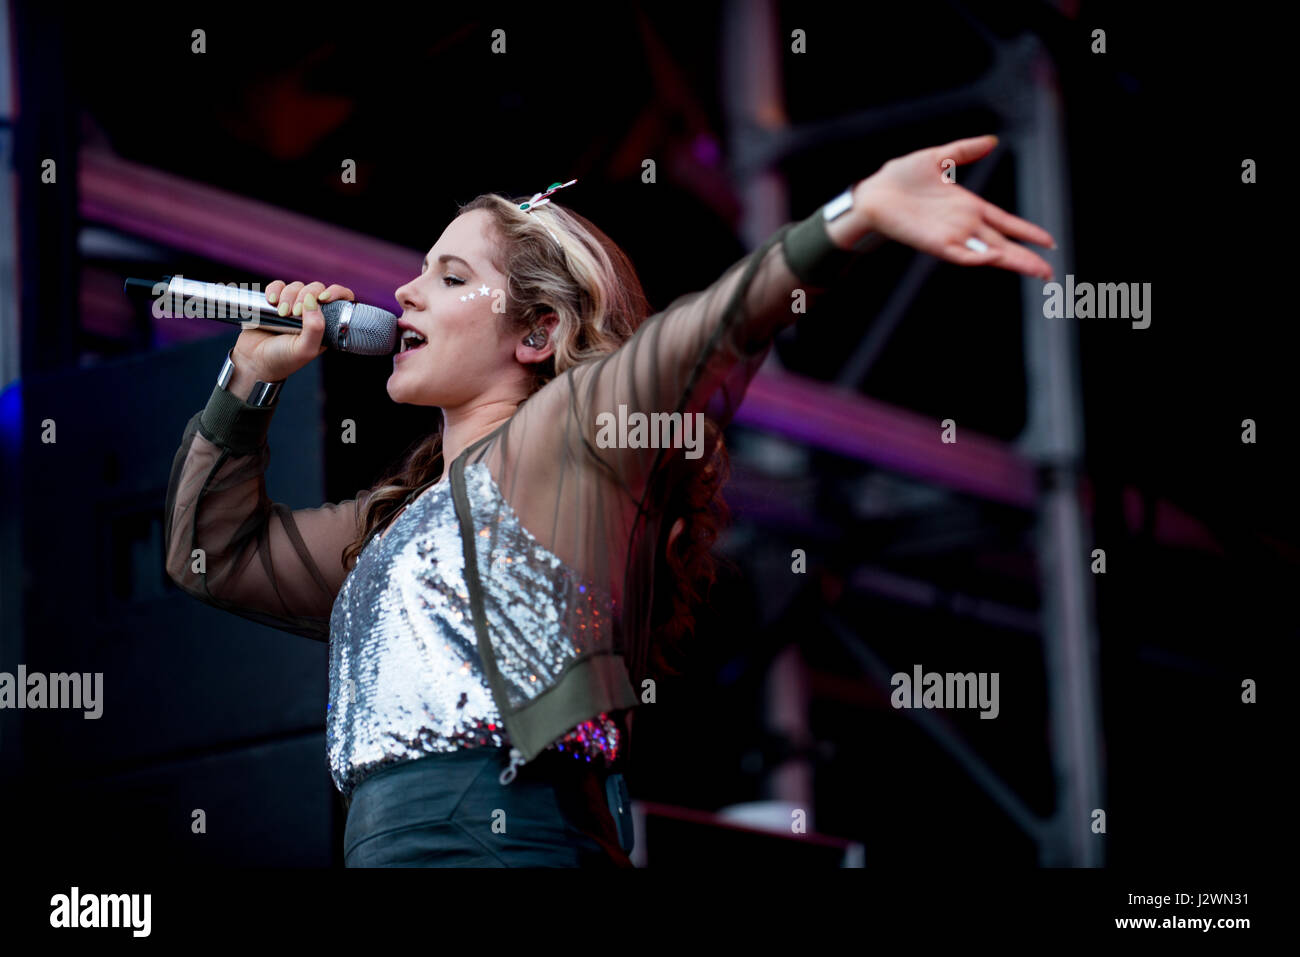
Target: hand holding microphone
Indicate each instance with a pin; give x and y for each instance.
(271, 356)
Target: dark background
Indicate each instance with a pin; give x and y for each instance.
(204, 710)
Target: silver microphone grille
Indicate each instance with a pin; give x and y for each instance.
(368, 330)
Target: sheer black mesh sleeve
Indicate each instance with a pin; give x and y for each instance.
(231, 547)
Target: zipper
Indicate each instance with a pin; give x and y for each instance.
(516, 759)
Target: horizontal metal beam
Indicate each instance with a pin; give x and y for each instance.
(850, 424)
(241, 232)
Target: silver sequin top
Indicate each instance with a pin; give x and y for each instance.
(405, 676)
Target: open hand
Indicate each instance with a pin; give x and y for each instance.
(909, 200)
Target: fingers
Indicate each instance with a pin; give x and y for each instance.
(969, 150)
(959, 252)
(1019, 259)
(312, 289)
(307, 344)
(286, 296)
(291, 298)
(1008, 255)
(1016, 227)
(336, 292)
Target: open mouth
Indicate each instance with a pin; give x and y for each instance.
(410, 341)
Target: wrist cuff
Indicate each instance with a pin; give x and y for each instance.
(233, 424)
(811, 255)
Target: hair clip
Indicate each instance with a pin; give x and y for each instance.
(541, 199)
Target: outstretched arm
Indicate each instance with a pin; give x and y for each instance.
(705, 347)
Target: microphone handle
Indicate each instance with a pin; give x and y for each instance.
(179, 298)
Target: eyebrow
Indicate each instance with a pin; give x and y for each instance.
(445, 257)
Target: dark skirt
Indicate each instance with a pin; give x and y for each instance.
(450, 810)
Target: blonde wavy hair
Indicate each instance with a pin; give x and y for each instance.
(591, 286)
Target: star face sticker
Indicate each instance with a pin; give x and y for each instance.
(483, 289)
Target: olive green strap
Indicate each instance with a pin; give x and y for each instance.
(233, 424)
(813, 257)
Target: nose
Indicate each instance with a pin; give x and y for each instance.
(408, 296)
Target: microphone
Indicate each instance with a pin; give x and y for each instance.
(353, 327)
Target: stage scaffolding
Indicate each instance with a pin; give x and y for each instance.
(1044, 469)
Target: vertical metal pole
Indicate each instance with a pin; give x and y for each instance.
(39, 300)
(753, 94)
(48, 219)
(1053, 437)
(11, 566)
(10, 343)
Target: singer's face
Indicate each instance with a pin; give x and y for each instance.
(468, 354)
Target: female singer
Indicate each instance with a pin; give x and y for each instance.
(491, 607)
